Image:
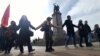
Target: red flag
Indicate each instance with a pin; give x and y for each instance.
(5, 18)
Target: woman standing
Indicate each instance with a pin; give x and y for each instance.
(11, 36)
(25, 33)
(97, 31)
(88, 34)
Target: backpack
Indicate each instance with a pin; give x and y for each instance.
(9, 33)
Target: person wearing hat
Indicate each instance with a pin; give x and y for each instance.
(48, 33)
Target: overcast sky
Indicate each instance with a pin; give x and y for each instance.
(38, 10)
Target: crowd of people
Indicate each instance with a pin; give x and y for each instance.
(84, 32)
(10, 38)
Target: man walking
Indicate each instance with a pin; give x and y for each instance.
(70, 30)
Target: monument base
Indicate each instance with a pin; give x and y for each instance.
(59, 38)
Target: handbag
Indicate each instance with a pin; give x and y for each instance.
(30, 33)
(45, 28)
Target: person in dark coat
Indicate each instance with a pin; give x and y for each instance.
(15, 36)
(70, 30)
(82, 33)
(88, 33)
(97, 31)
(2, 37)
(11, 35)
(25, 34)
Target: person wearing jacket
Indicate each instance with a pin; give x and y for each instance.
(88, 33)
(48, 33)
(70, 30)
(82, 33)
(25, 34)
(97, 31)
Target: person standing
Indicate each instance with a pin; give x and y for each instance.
(97, 31)
(25, 33)
(70, 30)
(48, 33)
(2, 37)
(82, 33)
(11, 36)
(88, 33)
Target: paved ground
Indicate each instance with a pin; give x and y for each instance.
(59, 51)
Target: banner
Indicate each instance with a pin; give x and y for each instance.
(5, 18)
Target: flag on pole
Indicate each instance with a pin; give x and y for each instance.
(5, 18)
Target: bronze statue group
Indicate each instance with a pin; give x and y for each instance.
(10, 38)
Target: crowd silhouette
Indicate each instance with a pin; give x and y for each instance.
(10, 38)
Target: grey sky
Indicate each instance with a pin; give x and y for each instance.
(80, 9)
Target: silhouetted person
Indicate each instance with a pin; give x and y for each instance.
(11, 36)
(24, 34)
(2, 37)
(8, 40)
(82, 33)
(70, 30)
(97, 31)
(88, 33)
(48, 33)
(14, 28)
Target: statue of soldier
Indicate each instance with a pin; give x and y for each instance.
(56, 8)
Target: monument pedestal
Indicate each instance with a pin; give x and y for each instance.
(59, 34)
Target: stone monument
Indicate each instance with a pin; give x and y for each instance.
(59, 34)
